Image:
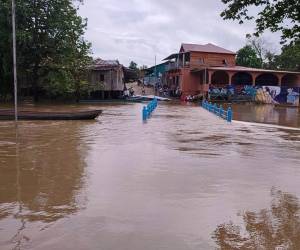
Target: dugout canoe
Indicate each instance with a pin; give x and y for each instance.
(40, 115)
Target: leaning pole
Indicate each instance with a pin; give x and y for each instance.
(13, 8)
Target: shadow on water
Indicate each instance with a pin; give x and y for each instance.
(275, 228)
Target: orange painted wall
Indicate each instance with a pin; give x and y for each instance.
(190, 83)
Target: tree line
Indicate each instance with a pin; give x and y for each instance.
(52, 55)
(282, 16)
(257, 54)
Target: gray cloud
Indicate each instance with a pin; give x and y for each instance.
(140, 29)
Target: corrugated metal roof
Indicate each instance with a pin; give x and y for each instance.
(170, 57)
(100, 64)
(209, 48)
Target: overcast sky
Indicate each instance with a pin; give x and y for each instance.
(140, 29)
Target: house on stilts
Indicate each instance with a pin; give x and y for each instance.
(106, 79)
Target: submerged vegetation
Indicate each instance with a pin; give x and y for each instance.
(52, 54)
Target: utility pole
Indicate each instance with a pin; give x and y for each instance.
(155, 66)
(13, 8)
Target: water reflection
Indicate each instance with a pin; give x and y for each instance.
(267, 114)
(275, 228)
(39, 180)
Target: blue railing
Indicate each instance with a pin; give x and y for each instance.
(147, 110)
(219, 111)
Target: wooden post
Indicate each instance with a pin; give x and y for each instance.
(210, 73)
(280, 80)
(230, 75)
(111, 80)
(254, 75)
(117, 78)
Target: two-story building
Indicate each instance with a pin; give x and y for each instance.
(196, 67)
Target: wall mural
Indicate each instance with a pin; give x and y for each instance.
(259, 94)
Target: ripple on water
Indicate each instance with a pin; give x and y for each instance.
(122, 182)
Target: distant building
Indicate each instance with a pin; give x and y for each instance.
(156, 74)
(106, 79)
(197, 67)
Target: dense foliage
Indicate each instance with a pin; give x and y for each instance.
(133, 65)
(52, 54)
(289, 59)
(247, 57)
(279, 15)
(256, 53)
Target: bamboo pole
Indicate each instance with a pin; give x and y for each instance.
(13, 7)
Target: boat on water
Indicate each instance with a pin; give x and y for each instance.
(49, 115)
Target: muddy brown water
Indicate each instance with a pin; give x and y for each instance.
(184, 180)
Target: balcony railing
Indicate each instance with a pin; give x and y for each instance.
(177, 65)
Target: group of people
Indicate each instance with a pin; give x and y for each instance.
(165, 91)
(128, 92)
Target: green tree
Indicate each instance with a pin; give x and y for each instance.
(5, 51)
(289, 59)
(52, 53)
(270, 61)
(247, 57)
(279, 15)
(133, 65)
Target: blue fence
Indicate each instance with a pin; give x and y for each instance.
(147, 110)
(219, 111)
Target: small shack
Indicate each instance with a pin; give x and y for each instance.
(106, 79)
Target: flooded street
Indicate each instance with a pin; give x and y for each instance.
(184, 180)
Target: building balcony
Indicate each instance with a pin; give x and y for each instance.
(177, 65)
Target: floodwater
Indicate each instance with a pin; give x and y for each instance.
(184, 180)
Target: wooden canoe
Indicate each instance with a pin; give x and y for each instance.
(39, 115)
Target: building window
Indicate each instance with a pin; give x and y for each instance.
(101, 78)
(225, 62)
(201, 61)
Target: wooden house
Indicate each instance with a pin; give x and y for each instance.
(196, 67)
(106, 79)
